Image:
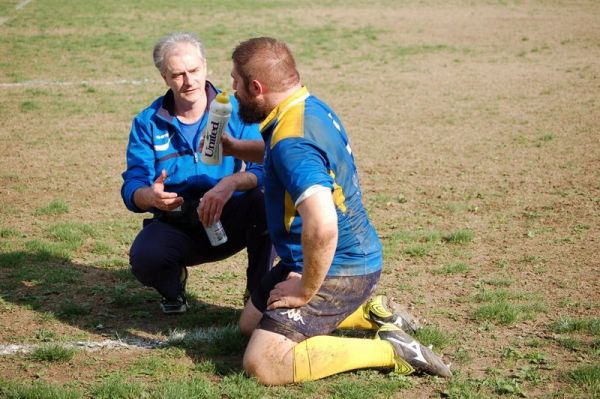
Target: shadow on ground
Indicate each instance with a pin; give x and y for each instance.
(112, 304)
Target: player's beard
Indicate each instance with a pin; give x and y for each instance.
(252, 110)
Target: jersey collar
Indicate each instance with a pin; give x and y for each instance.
(277, 113)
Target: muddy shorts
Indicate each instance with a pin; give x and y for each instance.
(338, 298)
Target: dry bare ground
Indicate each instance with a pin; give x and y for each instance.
(473, 118)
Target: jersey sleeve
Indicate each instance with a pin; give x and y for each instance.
(301, 165)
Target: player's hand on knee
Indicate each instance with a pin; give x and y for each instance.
(288, 294)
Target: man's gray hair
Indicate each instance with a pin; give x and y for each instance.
(167, 43)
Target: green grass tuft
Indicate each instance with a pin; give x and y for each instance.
(461, 236)
(240, 386)
(52, 353)
(501, 312)
(71, 309)
(505, 386)
(45, 335)
(69, 234)
(102, 248)
(460, 387)
(42, 251)
(12, 259)
(225, 340)
(499, 308)
(486, 295)
(586, 378)
(116, 386)
(49, 276)
(36, 390)
(198, 387)
(346, 388)
(9, 233)
(159, 365)
(28, 106)
(429, 335)
(566, 325)
(56, 207)
(453, 268)
(418, 250)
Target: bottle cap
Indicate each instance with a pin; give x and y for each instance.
(222, 97)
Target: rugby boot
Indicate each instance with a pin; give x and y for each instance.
(408, 350)
(381, 310)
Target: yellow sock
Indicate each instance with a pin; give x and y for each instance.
(324, 355)
(358, 320)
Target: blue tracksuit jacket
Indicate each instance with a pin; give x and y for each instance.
(156, 143)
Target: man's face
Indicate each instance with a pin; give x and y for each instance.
(252, 108)
(185, 74)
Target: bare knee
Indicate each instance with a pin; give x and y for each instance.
(254, 368)
(268, 358)
(262, 370)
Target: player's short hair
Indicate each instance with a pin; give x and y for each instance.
(267, 60)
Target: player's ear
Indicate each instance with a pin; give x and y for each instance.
(257, 88)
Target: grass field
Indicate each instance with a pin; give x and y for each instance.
(476, 130)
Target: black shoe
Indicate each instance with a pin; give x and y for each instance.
(410, 352)
(180, 304)
(175, 306)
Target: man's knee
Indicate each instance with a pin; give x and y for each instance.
(256, 367)
(269, 358)
(145, 262)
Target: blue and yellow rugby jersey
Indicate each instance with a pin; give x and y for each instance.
(306, 148)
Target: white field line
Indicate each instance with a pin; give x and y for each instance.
(18, 7)
(22, 4)
(91, 346)
(183, 338)
(47, 83)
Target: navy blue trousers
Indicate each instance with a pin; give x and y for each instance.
(161, 248)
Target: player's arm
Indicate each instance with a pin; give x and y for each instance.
(246, 150)
(319, 241)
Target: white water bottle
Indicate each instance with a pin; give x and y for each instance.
(216, 233)
(218, 116)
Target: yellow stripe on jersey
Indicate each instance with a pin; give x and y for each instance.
(290, 212)
(290, 126)
(288, 116)
(338, 194)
